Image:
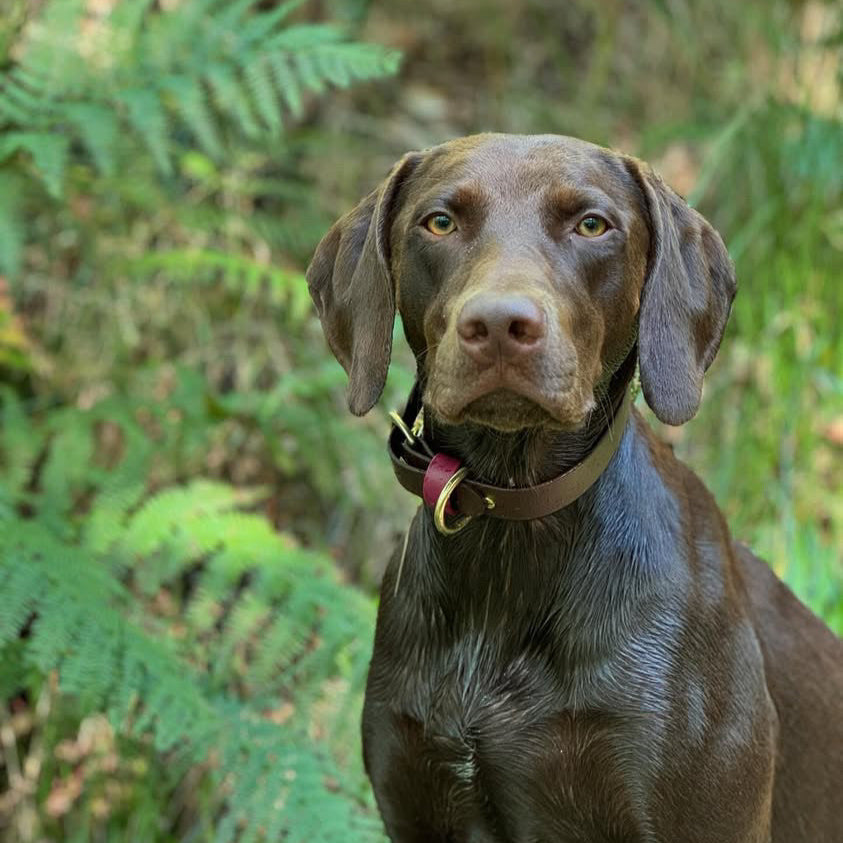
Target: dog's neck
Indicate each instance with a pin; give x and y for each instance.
(576, 581)
(590, 566)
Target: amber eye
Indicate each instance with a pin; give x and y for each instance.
(440, 224)
(592, 226)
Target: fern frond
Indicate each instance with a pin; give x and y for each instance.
(48, 151)
(25, 99)
(239, 273)
(153, 526)
(67, 469)
(12, 189)
(274, 775)
(287, 82)
(192, 102)
(228, 98)
(19, 586)
(255, 29)
(147, 117)
(98, 129)
(263, 94)
(244, 60)
(305, 36)
(19, 444)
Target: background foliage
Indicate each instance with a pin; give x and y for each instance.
(191, 527)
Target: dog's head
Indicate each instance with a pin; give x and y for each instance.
(524, 268)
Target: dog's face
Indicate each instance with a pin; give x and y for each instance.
(523, 269)
(518, 264)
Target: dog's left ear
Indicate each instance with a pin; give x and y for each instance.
(351, 284)
(685, 302)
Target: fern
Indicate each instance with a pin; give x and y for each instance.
(217, 646)
(205, 68)
(265, 623)
(239, 273)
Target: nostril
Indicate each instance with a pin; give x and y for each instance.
(473, 329)
(526, 327)
(524, 331)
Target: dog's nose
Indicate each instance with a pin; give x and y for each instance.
(508, 326)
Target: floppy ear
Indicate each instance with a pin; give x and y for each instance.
(685, 302)
(351, 284)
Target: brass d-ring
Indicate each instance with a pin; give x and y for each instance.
(442, 501)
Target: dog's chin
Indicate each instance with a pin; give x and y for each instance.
(510, 412)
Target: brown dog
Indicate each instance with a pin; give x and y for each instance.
(590, 659)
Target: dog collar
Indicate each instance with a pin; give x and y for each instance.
(443, 482)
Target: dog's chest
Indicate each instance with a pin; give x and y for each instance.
(506, 753)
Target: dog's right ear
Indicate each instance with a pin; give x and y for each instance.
(351, 284)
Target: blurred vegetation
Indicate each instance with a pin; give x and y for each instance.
(191, 526)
